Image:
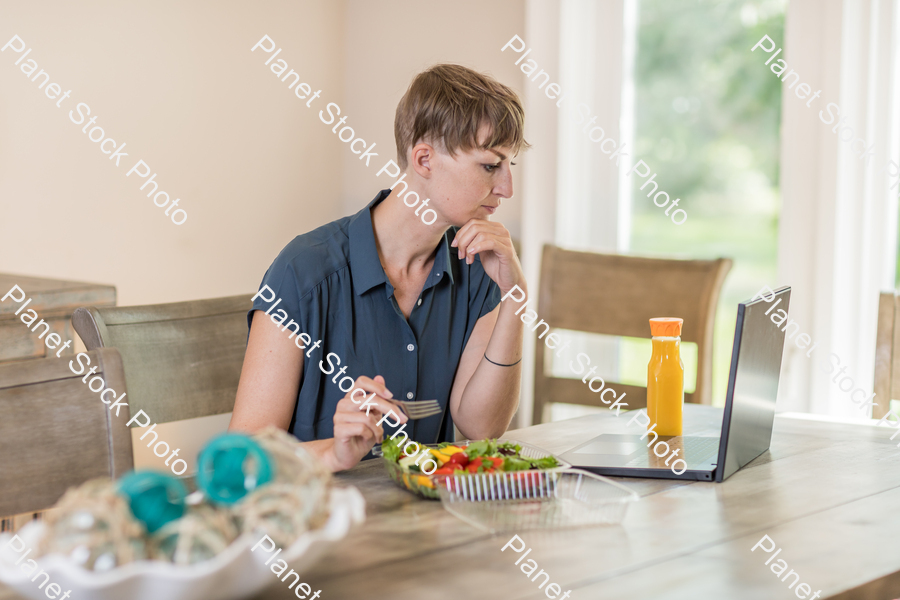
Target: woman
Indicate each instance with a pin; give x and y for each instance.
(396, 307)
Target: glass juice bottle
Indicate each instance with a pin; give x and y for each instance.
(665, 378)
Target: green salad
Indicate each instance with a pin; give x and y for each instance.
(485, 456)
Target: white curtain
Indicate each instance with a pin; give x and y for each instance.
(539, 167)
(837, 234)
(596, 60)
(574, 195)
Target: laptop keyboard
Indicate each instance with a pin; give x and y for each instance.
(692, 449)
(701, 448)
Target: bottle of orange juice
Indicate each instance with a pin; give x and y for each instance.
(665, 377)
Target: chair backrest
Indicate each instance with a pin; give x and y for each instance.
(54, 300)
(616, 295)
(55, 432)
(182, 360)
(887, 358)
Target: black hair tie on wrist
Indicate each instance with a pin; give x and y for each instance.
(499, 365)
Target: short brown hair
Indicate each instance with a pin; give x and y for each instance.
(448, 103)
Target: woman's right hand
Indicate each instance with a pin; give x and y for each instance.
(355, 432)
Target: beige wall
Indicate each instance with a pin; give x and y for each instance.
(177, 82)
(252, 166)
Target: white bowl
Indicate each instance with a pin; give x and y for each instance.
(235, 573)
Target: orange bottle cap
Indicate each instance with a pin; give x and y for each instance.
(666, 326)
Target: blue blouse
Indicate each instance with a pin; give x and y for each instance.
(330, 281)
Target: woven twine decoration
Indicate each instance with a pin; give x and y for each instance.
(93, 526)
(283, 511)
(295, 501)
(199, 535)
(293, 464)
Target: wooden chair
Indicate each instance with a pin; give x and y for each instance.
(55, 432)
(887, 358)
(616, 295)
(54, 300)
(182, 360)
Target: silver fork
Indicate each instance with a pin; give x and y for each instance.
(419, 409)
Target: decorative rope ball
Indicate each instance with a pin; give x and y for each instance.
(201, 534)
(297, 498)
(93, 526)
(293, 463)
(282, 511)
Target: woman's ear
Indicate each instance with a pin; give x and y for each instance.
(424, 159)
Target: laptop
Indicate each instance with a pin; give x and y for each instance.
(717, 442)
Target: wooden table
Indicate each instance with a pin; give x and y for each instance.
(824, 493)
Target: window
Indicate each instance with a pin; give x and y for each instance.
(707, 122)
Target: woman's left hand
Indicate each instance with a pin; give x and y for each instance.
(492, 243)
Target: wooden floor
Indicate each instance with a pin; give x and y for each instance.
(824, 493)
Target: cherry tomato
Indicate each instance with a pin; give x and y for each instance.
(459, 458)
(444, 471)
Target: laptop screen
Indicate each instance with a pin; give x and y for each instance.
(752, 382)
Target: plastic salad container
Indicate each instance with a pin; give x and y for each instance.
(427, 486)
(553, 499)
